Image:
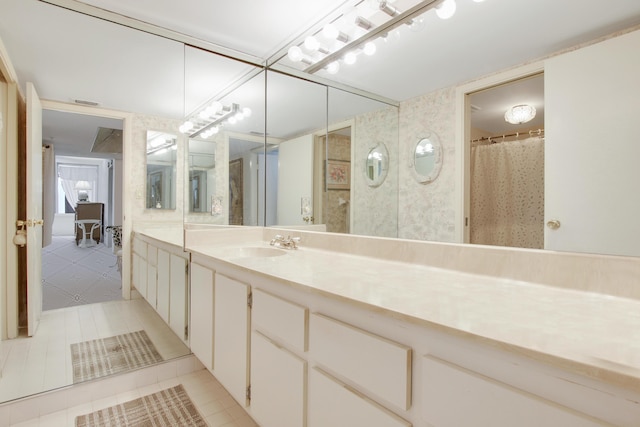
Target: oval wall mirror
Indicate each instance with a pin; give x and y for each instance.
(427, 158)
(376, 165)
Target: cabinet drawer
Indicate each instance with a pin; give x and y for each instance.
(280, 319)
(380, 366)
(456, 397)
(140, 247)
(332, 403)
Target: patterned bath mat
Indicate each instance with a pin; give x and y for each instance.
(170, 407)
(102, 357)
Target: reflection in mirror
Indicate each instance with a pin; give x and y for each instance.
(369, 210)
(377, 165)
(161, 170)
(427, 158)
(202, 178)
(296, 122)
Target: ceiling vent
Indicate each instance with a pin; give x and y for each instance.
(107, 141)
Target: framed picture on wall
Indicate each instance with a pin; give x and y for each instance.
(338, 175)
(235, 192)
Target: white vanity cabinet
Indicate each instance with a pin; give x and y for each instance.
(163, 285)
(202, 291)
(454, 397)
(278, 384)
(278, 374)
(178, 295)
(152, 276)
(140, 266)
(160, 275)
(231, 336)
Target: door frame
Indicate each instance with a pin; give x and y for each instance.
(127, 174)
(462, 192)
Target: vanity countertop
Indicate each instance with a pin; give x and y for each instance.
(593, 334)
(171, 235)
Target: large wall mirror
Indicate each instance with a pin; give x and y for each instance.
(161, 170)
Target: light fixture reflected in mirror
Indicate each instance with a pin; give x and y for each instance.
(519, 114)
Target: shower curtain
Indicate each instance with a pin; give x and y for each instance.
(507, 193)
(48, 193)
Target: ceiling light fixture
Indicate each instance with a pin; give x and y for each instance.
(446, 9)
(206, 125)
(519, 114)
(360, 26)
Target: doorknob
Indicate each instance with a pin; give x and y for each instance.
(553, 224)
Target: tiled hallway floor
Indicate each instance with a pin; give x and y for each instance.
(213, 402)
(72, 275)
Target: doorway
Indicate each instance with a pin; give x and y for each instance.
(505, 169)
(81, 261)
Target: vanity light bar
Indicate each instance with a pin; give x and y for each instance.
(395, 22)
(200, 125)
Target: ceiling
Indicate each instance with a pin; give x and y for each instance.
(73, 56)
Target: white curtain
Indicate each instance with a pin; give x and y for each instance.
(69, 177)
(48, 193)
(507, 193)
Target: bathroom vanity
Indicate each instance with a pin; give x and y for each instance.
(160, 275)
(353, 330)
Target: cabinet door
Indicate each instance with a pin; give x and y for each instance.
(152, 277)
(278, 384)
(457, 397)
(141, 286)
(163, 285)
(332, 403)
(135, 270)
(202, 314)
(178, 291)
(231, 332)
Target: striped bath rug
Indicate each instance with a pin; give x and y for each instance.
(171, 407)
(106, 356)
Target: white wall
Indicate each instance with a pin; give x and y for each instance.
(295, 178)
(117, 192)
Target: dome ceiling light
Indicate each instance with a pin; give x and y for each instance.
(519, 114)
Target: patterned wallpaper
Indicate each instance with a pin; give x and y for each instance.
(427, 211)
(374, 210)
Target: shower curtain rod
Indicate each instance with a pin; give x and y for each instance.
(538, 132)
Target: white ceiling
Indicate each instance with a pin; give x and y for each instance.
(72, 56)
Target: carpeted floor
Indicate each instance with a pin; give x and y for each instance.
(106, 356)
(166, 408)
(72, 275)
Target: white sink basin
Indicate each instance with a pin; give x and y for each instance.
(255, 252)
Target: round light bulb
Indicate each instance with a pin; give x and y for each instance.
(216, 107)
(295, 54)
(215, 130)
(446, 9)
(246, 111)
(370, 48)
(350, 58)
(232, 120)
(203, 114)
(333, 67)
(311, 43)
(239, 116)
(330, 31)
(187, 126)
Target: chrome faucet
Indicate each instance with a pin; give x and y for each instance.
(289, 242)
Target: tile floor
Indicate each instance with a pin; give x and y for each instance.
(213, 402)
(43, 362)
(72, 275)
